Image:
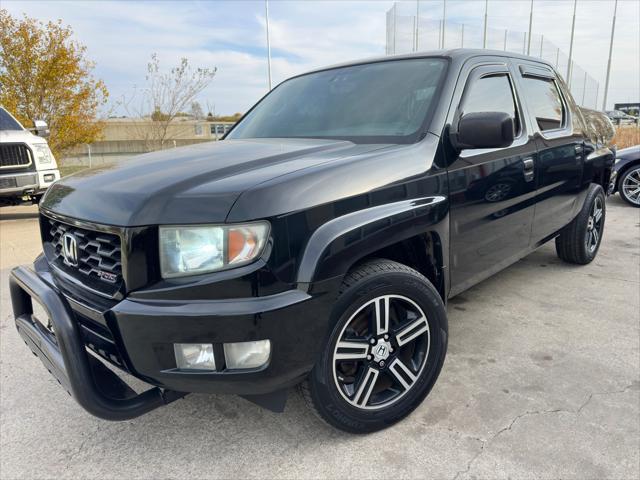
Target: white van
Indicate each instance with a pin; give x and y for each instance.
(27, 166)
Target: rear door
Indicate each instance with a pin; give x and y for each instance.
(491, 190)
(560, 162)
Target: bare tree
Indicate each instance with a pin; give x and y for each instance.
(166, 96)
(196, 111)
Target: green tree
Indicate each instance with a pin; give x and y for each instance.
(45, 75)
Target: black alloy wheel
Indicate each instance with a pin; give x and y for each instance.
(385, 351)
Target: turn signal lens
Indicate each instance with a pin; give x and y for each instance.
(243, 243)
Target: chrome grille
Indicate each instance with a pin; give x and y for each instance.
(14, 155)
(98, 254)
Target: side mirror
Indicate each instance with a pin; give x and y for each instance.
(41, 128)
(484, 130)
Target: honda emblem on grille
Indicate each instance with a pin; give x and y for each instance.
(70, 250)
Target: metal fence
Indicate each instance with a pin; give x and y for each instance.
(410, 32)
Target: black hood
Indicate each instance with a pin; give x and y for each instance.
(194, 184)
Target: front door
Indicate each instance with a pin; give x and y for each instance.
(491, 190)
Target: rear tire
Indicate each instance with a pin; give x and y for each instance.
(580, 241)
(385, 351)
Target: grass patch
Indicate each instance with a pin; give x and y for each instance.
(626, 136)
(67, 170)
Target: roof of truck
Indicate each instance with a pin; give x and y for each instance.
(454, 53)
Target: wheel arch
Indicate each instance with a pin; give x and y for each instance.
(599, 165)
(412, 232)
(424, 253)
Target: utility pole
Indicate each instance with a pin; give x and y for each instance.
(530, 26)
(573, 28)
(486, 11)
(606, 82)
(266, 12)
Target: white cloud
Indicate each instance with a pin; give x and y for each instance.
(120, 36)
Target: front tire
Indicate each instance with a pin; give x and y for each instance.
(580, 241)
(629, 186)
(385, 351)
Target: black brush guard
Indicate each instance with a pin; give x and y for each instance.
(96, 388)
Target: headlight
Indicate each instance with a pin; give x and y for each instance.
(189, 250)
(42, 153)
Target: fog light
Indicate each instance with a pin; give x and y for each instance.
(247, 354)
(49, 177)
(194, 356)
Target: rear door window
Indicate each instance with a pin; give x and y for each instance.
(544, 100)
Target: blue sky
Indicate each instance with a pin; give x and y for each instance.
(230, 35)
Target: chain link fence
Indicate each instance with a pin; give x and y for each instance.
(410, 32)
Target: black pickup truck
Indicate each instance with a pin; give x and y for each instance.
(318, 243)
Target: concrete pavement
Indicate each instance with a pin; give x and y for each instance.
(542, 380)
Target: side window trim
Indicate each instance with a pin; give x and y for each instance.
(539, 72)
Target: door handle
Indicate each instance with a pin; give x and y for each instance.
(528, 164)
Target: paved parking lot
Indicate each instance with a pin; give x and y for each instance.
(542, 380)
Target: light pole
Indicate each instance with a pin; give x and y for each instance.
(530, 25)
(541, 44)
(573, 27)
(266, 12)
(444, 20)
(395, 26)
(484, 36)
(606, 82)
(417, 22)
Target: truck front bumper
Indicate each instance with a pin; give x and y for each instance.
(27, 183)
(144, 332)
(96, 388)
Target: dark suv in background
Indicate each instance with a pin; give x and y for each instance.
(318, 243)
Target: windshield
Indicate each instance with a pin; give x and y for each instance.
(7, 122)
(384, 102)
